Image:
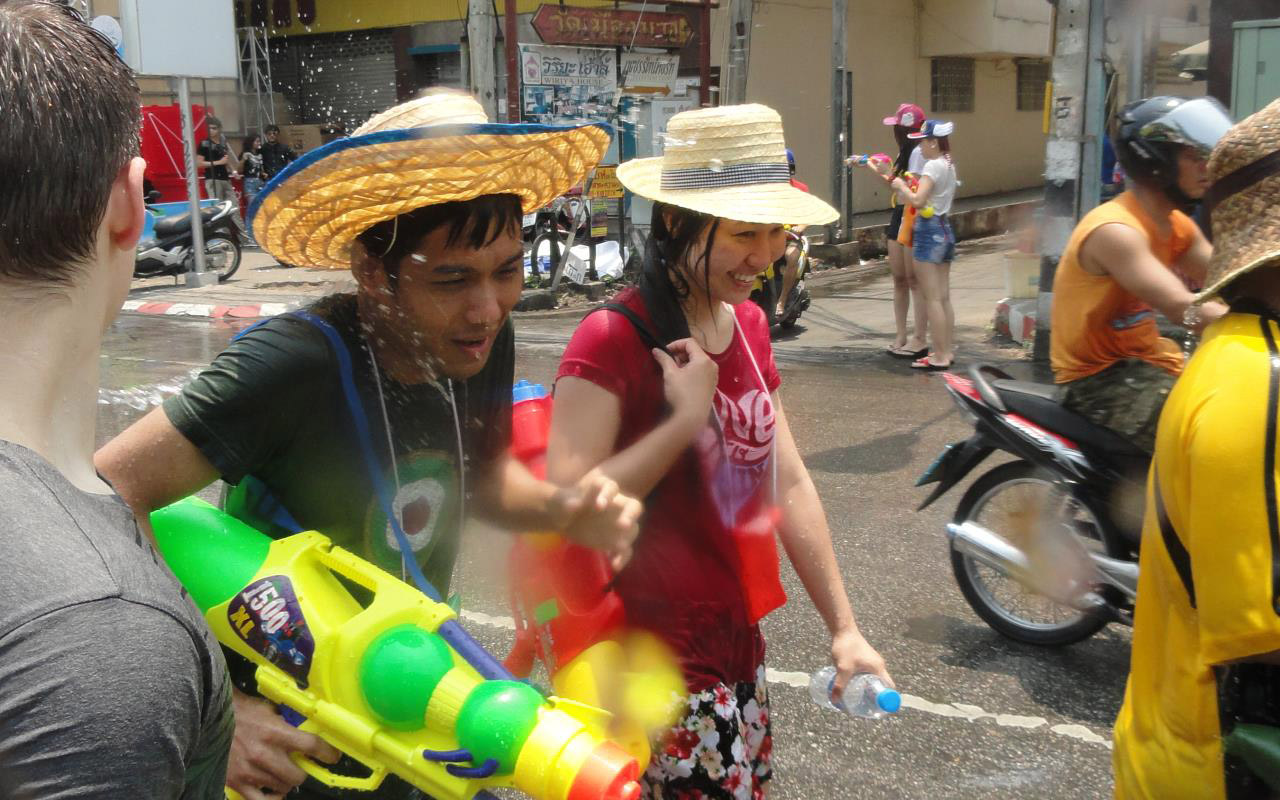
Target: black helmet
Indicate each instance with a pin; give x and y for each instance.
(1147, 135)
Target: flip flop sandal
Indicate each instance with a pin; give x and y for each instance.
(929, 366)
(913, 355)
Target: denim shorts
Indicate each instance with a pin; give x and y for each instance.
(934, 242)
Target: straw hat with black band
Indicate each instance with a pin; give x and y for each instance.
(1243, 203)
(435, 149)
(727, 162)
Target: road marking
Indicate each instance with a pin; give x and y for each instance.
(963, 711)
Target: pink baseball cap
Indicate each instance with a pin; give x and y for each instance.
(909, 115)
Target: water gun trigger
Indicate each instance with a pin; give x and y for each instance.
(330, 778)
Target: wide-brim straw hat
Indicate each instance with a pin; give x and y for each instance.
(1245, 221)
(434, 149)
(728, 162)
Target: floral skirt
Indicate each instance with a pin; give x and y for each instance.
(721, 749)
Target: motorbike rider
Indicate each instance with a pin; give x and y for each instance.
(791, 256)
(1118, 269)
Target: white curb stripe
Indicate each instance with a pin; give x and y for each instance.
(964, 711)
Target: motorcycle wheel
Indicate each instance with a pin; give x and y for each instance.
(1001, 601)
(222, 255)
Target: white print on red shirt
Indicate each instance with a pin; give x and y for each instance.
(747, 425)
(735, 459)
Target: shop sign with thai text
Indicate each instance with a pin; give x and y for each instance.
(605, 183)
(541, 65)
(606, 26)
(649, 72)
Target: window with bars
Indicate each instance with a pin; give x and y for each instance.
(951, 85)
(1032, 76)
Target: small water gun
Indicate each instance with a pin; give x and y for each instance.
(389, 677)
(567, 614)
(866, 159)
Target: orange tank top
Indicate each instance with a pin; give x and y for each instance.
(1097, 322)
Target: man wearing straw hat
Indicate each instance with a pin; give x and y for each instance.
(1204, 690)
(380, 417)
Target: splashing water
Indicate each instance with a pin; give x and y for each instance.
(143, 398)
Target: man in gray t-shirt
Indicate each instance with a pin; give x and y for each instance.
(111, 685)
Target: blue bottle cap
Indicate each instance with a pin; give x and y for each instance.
(523, 390)
(889, 701)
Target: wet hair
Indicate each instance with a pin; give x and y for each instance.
(246, 146)
(664, 283)
(212, 122)
(72, 122)
(905, 146)
(476, 223)
(273, 128)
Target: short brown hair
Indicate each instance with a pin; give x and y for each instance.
(72, 115)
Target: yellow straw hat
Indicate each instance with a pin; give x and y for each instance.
(1244, 200)
(434, 149)
(728, 162)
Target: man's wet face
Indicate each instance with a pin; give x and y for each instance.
(450, 301)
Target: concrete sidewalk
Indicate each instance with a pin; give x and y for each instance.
(260, 288)
(263, 288)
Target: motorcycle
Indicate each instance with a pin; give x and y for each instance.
(169, 252)
(1044, 548)
(768, 286)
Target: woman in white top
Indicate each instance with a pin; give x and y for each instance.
(934, 245)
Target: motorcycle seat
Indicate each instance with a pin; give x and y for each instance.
(1041, 403)
(178, 223)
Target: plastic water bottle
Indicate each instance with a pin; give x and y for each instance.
(864, 696)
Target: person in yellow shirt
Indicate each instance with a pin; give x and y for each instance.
(1206, 640)
(1117, 269)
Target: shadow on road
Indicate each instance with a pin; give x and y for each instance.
(888, 453)
(1084, 681)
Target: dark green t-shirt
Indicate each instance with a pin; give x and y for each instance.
(271, 406)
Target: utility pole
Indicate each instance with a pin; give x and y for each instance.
(704, 54)
(735, 85)
(1136, 85)
(1073, 155)
(482, 32)
(509, 33)
(839, 53)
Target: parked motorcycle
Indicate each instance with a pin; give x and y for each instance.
(170, 252)
(768, 286)
(1044, 547)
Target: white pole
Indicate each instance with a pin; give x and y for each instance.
(199, 277)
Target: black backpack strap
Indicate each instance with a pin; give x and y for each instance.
(1172, 543)
(646, 333)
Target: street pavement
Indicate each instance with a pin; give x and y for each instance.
(984, 717)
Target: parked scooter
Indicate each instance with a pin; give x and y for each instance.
(169, 252)
(1044, 548)
(768, 286)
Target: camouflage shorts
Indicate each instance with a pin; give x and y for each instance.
(1126, 397)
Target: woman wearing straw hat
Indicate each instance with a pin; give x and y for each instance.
(379, 417)
(1201, 715)
(933, 242)
(673, 393)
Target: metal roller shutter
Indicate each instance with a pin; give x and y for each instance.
(337, 80)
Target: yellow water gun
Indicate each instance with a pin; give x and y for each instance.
(394, 682)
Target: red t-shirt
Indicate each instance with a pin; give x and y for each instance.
(682, 581)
